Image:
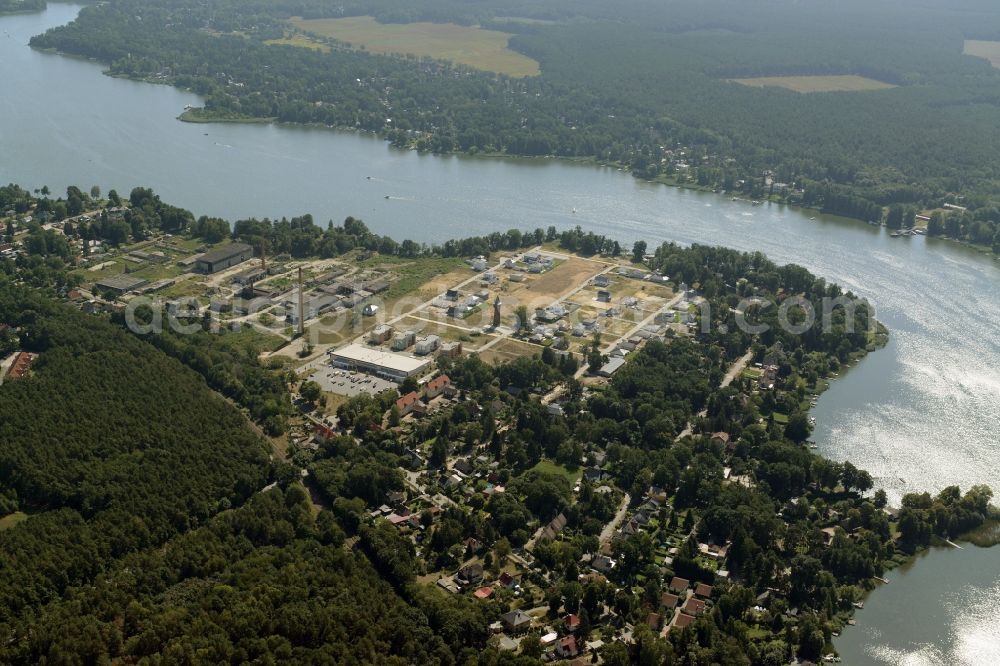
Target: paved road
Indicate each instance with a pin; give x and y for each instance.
(609, 529)
(734, 371)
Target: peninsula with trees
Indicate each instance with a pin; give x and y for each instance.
(529, 445)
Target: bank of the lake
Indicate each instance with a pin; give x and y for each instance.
(919, 415)
(941, 607)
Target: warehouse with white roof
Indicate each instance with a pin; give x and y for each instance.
(375, 361)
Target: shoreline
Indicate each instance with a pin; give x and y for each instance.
(191, 116)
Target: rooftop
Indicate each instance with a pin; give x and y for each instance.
(121, 282)
(363, 354)
(225, 252)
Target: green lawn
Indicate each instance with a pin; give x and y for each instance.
(412, 274)
(550, 467)
(254, 339)
(11, 520)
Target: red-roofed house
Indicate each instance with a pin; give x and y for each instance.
(407, 403)
(566, 647)
(683, 620)
(572, 623)
(694, 606)
(669, 601)
(703, 590)
(324, 434)
(653, 620)
(507, 580)
(436, 386)
(22, 364)
(483, 593)
(679, 584)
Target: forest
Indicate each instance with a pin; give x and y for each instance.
(97, 455)
(646, 86)
(11, 6)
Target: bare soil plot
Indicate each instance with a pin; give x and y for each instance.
(482, 49)
(547, 288)
(817, 84)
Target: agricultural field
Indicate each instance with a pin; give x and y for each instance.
(482, 49)
(817, 84)
(987, 50)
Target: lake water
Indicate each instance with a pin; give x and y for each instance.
(921, 414)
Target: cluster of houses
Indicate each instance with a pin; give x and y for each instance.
(418, 404)
(20, 366)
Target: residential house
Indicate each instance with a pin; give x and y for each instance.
(683, 620)
(553, 529)
(470, 574)
(436, 386)
(566, 647)
(508, 581)
(407, 403)
(323, 434)
(669, 601)
(427, 345)
(516, 621)
(602, 563)
(401, 341)
(602, 281)
(450, 349)
(413, 459)
(572, 623)
(703, 590)
(694, 606)
(678, 584)
(483, 593)
(380, 334)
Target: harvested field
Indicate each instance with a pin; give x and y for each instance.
(986, 50)
(817, 84)
(482, 49)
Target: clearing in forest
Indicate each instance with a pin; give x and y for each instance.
(482, 49)
(817, 84)
(300, 41)
(980, 49)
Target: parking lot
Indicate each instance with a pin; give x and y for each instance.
(345, 382)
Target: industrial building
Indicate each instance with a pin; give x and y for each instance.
(222, 258)
(121, 284)
(378, 362)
